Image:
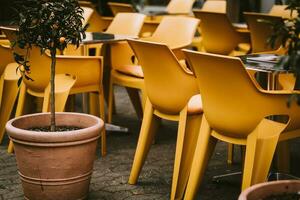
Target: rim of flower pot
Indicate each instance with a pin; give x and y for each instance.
(258, 188)
(90, 127)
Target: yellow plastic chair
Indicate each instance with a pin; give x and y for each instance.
(281, 11)
(120, 8)
(121, 55)
(8, 86)
(126, 24)
(175, 31)
(123, 24)
(167, 98)
(210, 6)
(236, 112)
(175, 7)
(214, 41)
(261, 30)
(98, 23)
(74, 74)
(180, 6)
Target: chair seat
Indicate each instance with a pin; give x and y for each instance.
(132, 70)
(195, 105)
(136, 70)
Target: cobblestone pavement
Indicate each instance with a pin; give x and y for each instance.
(109, 180)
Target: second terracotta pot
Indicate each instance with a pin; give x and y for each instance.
(263, 190)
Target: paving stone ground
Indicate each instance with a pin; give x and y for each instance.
(109, 180)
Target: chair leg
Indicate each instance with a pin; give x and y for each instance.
(110, 101)
(204, 149)
(230, 153)
(93, 104)
(19, 111)
(102, 116)
(249, 159)
(147, 133)
(187, 150)
(260, 149)
(136, 101)
(10, 89)
(1, 87)
(143, 97)
(179, 149)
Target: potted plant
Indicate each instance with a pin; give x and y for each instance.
(289, 31)
(54, 163)
(275, 190)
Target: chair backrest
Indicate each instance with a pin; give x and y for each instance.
(218, 34)
(87, 13)
(215, 6)
(231, 101)
(260, 26)
(120, 8)
(87, 71)
(168, 85)
(126, 24)
(180, 6)
(282, 11)
(175, 31)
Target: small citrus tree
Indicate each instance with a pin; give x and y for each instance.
(50, 25)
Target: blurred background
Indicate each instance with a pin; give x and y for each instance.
(236, 7)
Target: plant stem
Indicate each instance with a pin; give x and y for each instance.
(52, 90)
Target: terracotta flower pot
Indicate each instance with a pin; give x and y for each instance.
(55, 165)
(263, 190)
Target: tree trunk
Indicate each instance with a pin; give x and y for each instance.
(52, 93)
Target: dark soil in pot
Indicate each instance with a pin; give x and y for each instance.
(57, 128)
